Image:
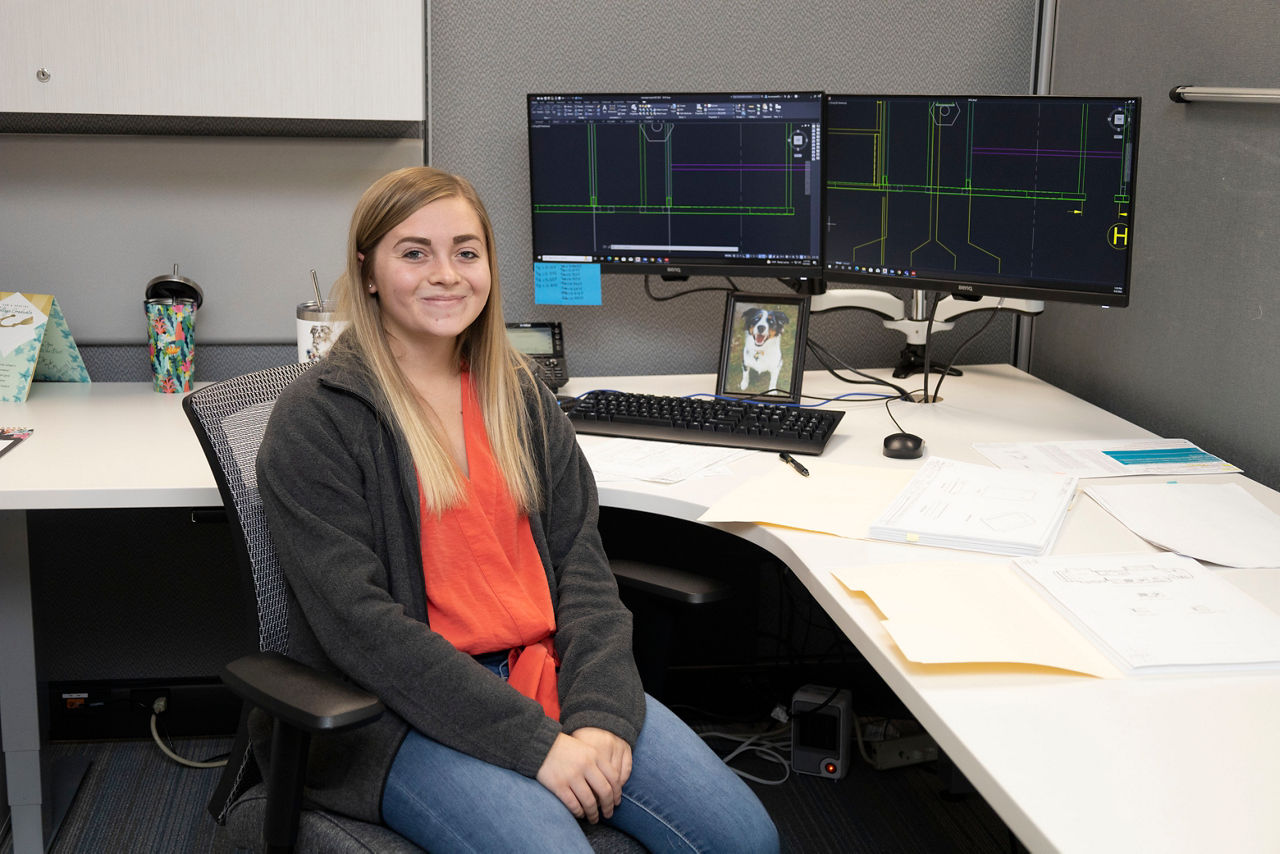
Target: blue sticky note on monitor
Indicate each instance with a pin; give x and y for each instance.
(566, 284)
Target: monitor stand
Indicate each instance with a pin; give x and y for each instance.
(911, 317)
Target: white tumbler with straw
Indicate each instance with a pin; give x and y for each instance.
(317, 326)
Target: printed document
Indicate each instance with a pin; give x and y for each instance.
(1159, 612)
(634, 459)
(979, 508)
(1115, 458)
(1216, 522)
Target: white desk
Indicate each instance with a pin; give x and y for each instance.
(1070, 763)
(95, 445)
(1073, 764)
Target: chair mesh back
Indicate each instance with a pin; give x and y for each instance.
(230, 418)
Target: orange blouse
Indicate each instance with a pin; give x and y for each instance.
(486, 586)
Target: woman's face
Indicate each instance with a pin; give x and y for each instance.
(431, 273)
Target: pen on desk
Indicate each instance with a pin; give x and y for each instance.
(794, 463)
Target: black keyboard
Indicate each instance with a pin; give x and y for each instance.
(698, 421)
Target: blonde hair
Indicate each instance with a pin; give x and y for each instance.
(483, 346)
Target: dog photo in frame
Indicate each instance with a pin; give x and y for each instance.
(762, 346)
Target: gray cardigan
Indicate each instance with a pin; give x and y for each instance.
(341, 498)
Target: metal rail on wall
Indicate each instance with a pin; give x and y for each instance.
(1184, 94)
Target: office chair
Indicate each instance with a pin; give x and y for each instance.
(229, 419)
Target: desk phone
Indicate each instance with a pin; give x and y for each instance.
(543, 343)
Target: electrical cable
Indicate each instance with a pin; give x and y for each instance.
(649, 292)
(822, 354)
(862, 747)
(764, 746)
(847, 397)
(991, 315)
(181, 760)
(156, 708)
(891, 418)
(928, 343)
(890, 413)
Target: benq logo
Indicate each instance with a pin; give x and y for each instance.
(968, 288)
(674, 270)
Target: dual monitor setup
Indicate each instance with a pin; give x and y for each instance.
(1016, 199)
(989, 202)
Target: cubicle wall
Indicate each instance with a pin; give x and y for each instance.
(1194, 355)
(482, 65)
(92, 218)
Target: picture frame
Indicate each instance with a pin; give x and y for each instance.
(768, 363)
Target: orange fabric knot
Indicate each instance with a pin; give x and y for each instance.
(534, 673)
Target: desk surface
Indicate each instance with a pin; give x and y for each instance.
(1071, 763)
(103, 445)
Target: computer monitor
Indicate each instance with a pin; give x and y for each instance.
(678, 184)
(1005, 196)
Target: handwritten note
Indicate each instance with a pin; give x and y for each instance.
(566, 284)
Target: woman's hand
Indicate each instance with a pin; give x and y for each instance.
(579, 775)
(615, 752)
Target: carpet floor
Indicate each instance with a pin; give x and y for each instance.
(133, 800)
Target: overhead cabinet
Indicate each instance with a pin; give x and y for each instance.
(288, 59)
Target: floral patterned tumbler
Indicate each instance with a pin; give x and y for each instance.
(171, 303)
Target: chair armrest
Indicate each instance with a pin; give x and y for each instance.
(669, 582)
(298, 694)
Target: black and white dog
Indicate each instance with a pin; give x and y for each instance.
(762, 351)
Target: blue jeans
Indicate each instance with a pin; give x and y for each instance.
(680, 798)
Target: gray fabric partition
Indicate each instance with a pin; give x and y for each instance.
(482, 64)
(1193, 356)
(91, 219)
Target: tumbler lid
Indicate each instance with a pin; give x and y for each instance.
(323, 311)
(174, 288)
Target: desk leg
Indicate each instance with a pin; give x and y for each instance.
(34, 812)
(19, 691)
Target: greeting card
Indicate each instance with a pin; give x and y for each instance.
(35, 344)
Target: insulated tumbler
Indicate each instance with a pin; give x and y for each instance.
(317, 329)
(170, 304)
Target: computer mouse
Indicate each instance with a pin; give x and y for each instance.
(903, 446)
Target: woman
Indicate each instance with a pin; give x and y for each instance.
(437, 525)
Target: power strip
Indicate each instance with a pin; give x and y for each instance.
(897, 752)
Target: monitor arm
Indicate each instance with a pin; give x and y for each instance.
(911, 317)
(882, 303)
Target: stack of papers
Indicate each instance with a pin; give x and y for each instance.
(978, 508)
(1107, 458)
(1216, 522)
(1158, 612)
